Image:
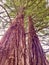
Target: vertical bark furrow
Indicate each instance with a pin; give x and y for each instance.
(14, 42)
(39, 55)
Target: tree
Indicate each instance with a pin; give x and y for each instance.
(13, 47)
(14, 41)
(36, 8)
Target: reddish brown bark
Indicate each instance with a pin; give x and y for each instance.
(37, 56)
(12, 46)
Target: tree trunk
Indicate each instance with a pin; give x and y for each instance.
(12, 46)
(14, 49)
(37, 55)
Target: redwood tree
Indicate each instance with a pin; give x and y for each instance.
(12, 45)
(37, 55)
(15, 50)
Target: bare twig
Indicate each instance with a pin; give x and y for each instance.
(5, 11)
(46, 44)
(46, 51)
(8, 7)
(3, 18)
(2, 12)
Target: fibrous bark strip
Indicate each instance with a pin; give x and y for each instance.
(14, 49)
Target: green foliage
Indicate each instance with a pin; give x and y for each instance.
(36, 8)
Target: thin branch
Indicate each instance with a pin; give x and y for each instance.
(46, 51)
(8, 7)
(43, 27)
(2, 12)
(5, 11)
(3, 18)
(45, 44)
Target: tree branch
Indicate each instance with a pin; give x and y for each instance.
(43, 27)
(8, 7)
(5, 11)
(3, 18)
